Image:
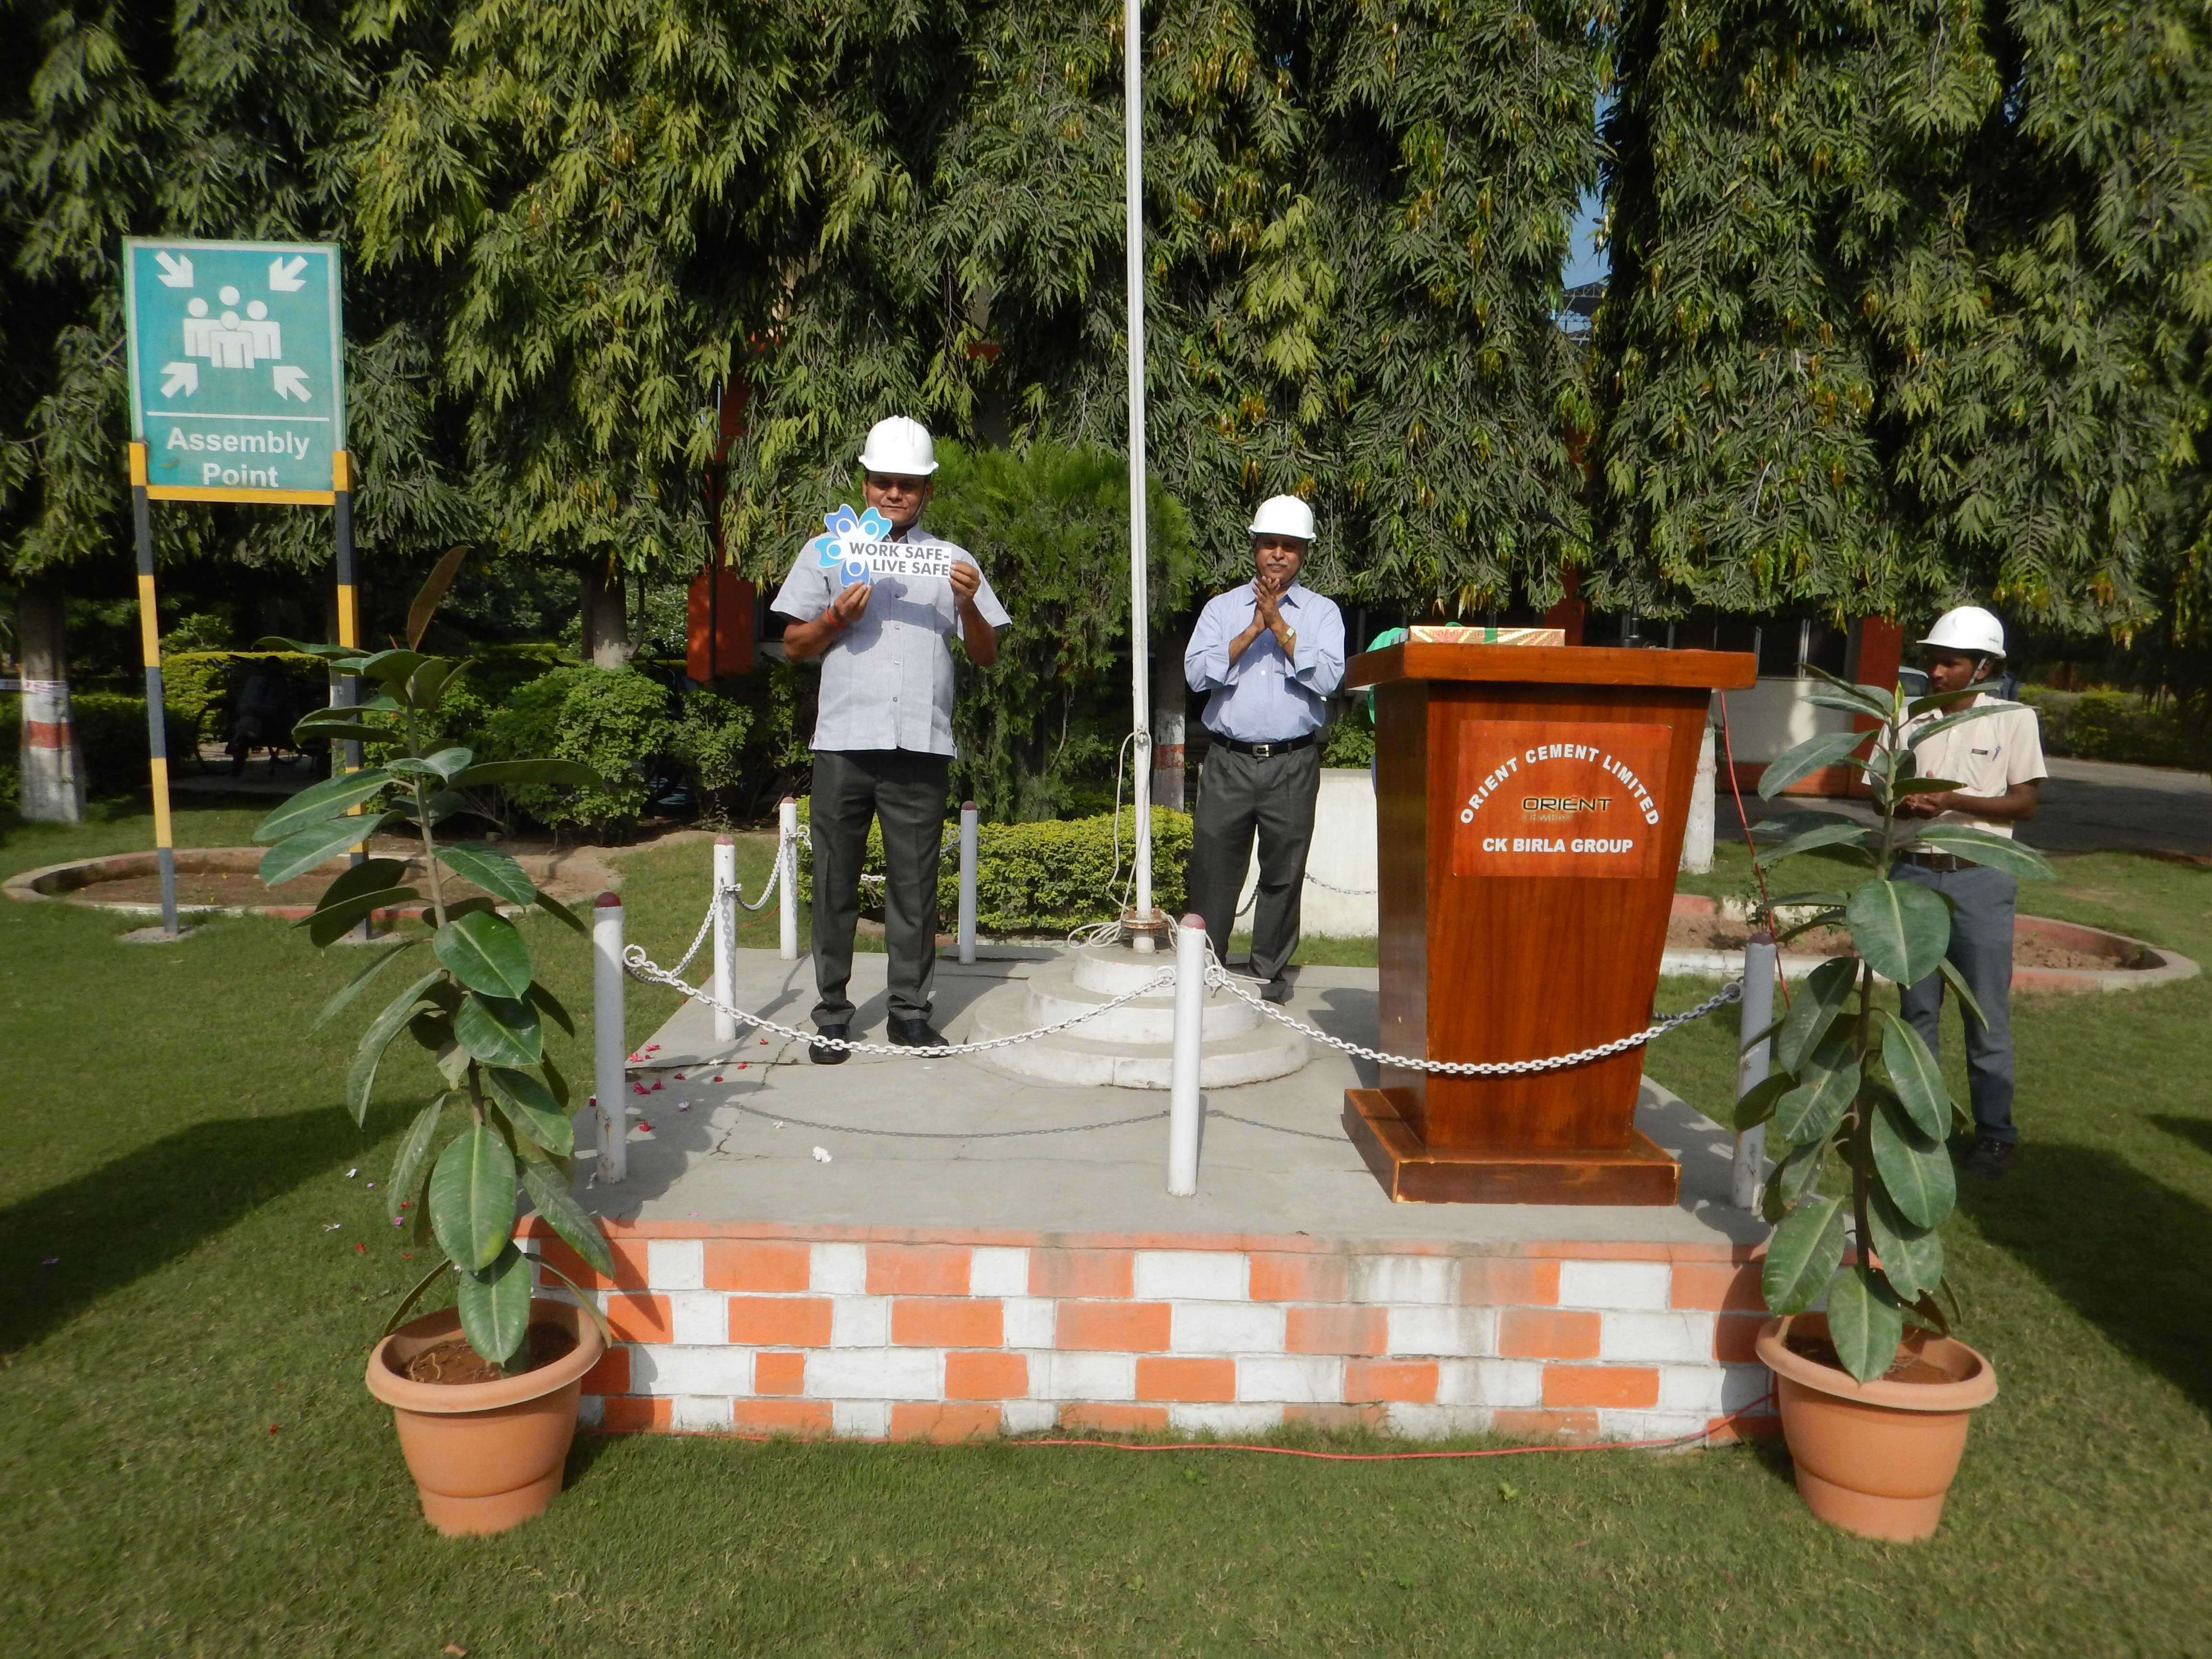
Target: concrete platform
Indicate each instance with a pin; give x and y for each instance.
(983, 1254)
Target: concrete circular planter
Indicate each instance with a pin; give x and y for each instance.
(2132, 964)
(1875, 1458)
(485, 1456)
(569, 876)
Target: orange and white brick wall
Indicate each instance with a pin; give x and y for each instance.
(915, 1338)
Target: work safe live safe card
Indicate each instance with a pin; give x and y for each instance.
(1559, 797)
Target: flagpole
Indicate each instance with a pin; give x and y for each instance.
(1133, 150)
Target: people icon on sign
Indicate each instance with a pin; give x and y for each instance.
(229, 341)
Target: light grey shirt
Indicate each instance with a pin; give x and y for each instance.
(887, 680)
(1265, 696)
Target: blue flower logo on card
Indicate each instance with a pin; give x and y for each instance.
(844, 530)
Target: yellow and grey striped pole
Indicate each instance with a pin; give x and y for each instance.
(157, 734)
(345, 689)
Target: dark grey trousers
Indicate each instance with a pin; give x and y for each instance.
(1982, 901)
(906, 792)
(1237, 796)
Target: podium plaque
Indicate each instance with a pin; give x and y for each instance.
(1530, 802)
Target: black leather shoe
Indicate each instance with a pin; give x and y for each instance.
(917, 1033)
(1989, 1160)
(1276, 990)
(821, 1053)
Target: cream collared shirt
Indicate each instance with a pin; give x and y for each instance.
(1986, 757)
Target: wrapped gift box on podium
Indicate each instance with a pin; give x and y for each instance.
(1530, 801)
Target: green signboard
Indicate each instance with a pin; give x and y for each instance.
(237, 368)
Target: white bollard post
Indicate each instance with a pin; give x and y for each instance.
(725, 929)
(787, 849)
(610, 1047)
(967, 881)
(1751, 1066)
(1185, 1104)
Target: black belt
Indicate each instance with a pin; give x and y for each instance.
(1262, 751)
(1944, 862)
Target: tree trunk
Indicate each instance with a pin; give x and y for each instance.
(1698, 835)
(606, 619)
(50, 760)
(1169, 698)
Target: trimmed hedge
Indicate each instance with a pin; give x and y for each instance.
(199, 687)
(110, 735)
(1041, 878)
(2116, 726)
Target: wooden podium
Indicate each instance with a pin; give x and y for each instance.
(1530, 802)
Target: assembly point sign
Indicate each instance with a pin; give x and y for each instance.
(237, 385)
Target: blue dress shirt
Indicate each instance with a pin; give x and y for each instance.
(1265, 696)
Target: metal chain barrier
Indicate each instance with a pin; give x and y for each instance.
(644, 969)
(1218, 976)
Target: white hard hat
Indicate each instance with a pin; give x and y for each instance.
(1968, 628)
(1283, 515)
(900, 447)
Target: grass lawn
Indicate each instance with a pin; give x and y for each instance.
(191, 1467)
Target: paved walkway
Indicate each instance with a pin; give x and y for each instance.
(2087, 806)
(947, 1143)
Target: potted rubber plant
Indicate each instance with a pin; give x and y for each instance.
(1875, 1391)
(484, 1392)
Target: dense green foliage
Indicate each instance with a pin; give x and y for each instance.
(1909, 301)
(2115, 726)
(110, 735)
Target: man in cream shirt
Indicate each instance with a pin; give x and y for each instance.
(1997, 761)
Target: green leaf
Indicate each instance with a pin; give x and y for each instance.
(360, 1076)
(1802, 1256)
(566, 1216)
(1852, 835)
(472, 1197)
(556, 1083)
(406, 1178)
(1911, 1257)
(1920, 734)
(487, 953)
(428, 682)
(1864, 1322)
(553, 907)
(1980, 847)
(1757, 1103)
(1849, 702)
(1812, 1010)
(1822, 919)
(1921, 705)
(354, 987)
(1917, 785)
(1823, 749)
(447, 762)
(1900, 927)
(1825, 1088)
(424, 606)
(297, 854)
(508, 775)
(391, 669)
(1876, 700)
(1965, 992)
(549, 1005)
(499, 1030)
(369, 876)
(1917, 1077)
(1915, 1167)
(488, 868)
(319, 801)
(333, 922)
(494, 1304)
(313, 730)
(333, 654)
(1795, 1176)
(529, 1105)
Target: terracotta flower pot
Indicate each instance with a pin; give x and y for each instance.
(484, 1455)
(1875, 1458)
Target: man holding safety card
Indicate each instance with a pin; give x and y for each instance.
(877, 598)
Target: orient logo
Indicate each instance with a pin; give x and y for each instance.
(1542, 797)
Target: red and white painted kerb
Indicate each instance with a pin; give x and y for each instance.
(856, 1332)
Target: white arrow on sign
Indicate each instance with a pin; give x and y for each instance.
(284, 275)
(180, 377)
(175, 272)
(292, 383)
